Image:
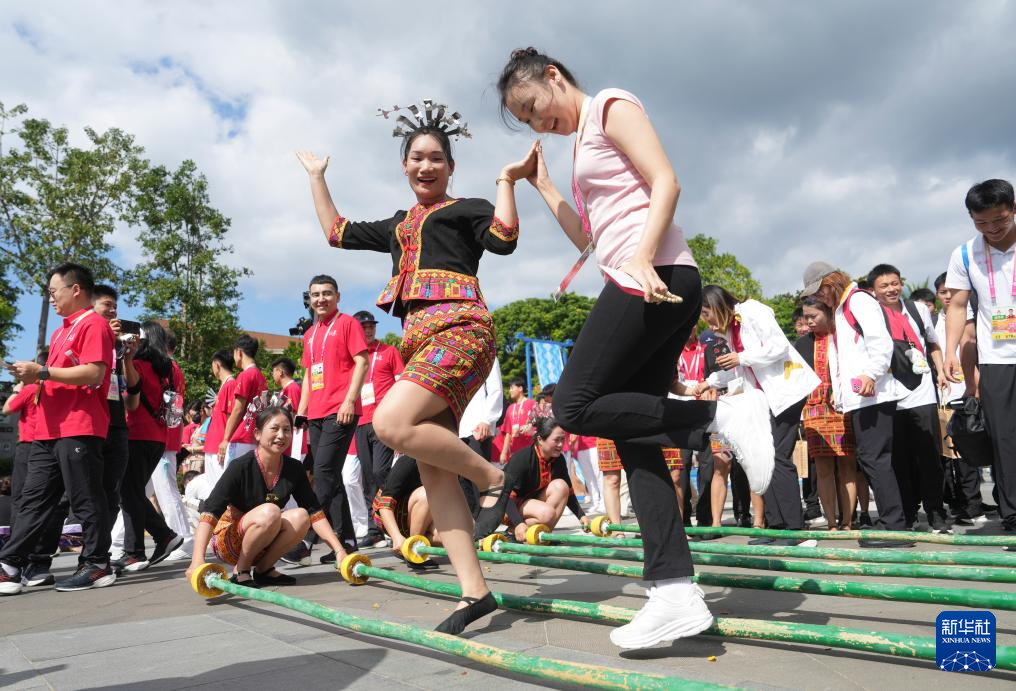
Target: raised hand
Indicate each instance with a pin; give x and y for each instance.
(524, 168)
(313, 164)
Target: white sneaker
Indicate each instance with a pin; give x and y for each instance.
(744, 422)
(663, 620)
(979, 520)
(179, 554)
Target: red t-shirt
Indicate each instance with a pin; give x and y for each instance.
(141, 424)
(188, 433)
(174, 435)
(384, 364)
(582, 443)
(220, 412)
(24, 402)
(331, 345)
(68, 410)
(518, 415)
(691, 363)
(293, 392)
(249, 384)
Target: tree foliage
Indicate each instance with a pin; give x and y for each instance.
(784, 305)
(536, 318)
(59, 202)
(723, 269)
(183, 278)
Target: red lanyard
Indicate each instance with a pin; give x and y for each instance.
(324, 341)
(991, 276)
(579, 206)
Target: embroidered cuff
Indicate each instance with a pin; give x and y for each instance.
(209, 519)
(501, 231)
(338, 230)
(317, 516)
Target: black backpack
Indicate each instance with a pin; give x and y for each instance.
(969, 434)
(900, 365)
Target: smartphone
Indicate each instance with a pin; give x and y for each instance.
(855, 384)
(129, 327)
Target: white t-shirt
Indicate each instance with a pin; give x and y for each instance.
(989, 351)
(924, 393)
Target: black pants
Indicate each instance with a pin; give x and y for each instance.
(115, 453)
(49, 540)
(703, 507)
(783, 498)
(809, 489)
(961, 488)
(138, 513)
(998, 400)
(329, 444)
(614, 386)
(917, 449)
(468, 488)
(72, 465)
(740, 494)
(375, 464)
(873, 430)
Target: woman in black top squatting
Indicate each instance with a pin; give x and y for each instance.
(448, 342)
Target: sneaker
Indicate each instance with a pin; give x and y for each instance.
(163, 549)
(36, 575)
(864, 520)
(328, 558)
(129, 563)
(812, 512)
(820, 522)
(979, 520)
(180, 554)
(743, 420)
(298, 556)
(10, 584)
(86, 577)
(938, 525)
(662, 620)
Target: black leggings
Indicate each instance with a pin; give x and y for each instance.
(615, 385)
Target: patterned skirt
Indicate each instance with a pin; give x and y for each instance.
(227, 538)
(449, 348)
(829, 433)
(399, 508)
(610, 460)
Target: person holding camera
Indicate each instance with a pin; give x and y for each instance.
(149, 379)
(72, 422)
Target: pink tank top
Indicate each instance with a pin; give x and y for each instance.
(616, 196)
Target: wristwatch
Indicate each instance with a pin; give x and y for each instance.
(43, 373)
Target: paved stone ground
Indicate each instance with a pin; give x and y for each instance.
(150, 631)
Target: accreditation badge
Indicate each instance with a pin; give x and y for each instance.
(1003, 323)
(317, 376)
(367, 393)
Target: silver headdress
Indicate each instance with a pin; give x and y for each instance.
(259, 403)
(431, 114)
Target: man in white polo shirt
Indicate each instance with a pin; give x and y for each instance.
(984, 265)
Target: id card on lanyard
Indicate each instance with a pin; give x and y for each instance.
(367, 390)
(1003, 317)
(317, 369)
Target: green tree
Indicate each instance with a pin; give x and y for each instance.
(183, 280)
(59, 202)
(8, 313)
(392, 339)
(723, 269)
(784, 305)
(536, 318)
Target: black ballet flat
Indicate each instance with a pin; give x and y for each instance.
(488, 519)
(461, 618)
(277, 579)
(249, 583)
(425, 566)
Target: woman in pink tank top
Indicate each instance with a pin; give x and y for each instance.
(616, 380)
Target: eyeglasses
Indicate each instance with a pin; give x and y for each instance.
(52, 293)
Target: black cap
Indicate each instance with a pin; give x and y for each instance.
(365, 317)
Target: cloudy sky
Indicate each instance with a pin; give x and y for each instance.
(844, 131)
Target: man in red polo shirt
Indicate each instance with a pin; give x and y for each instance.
(72, 423)
(385, 366)
(335, 365)
(517, 426)
(238, 438)
(222, 369)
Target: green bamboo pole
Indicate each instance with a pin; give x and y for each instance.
(589, 676)
(887, 556)
(982, 540)
(963, 597)
(956, 573)
(897, 645)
